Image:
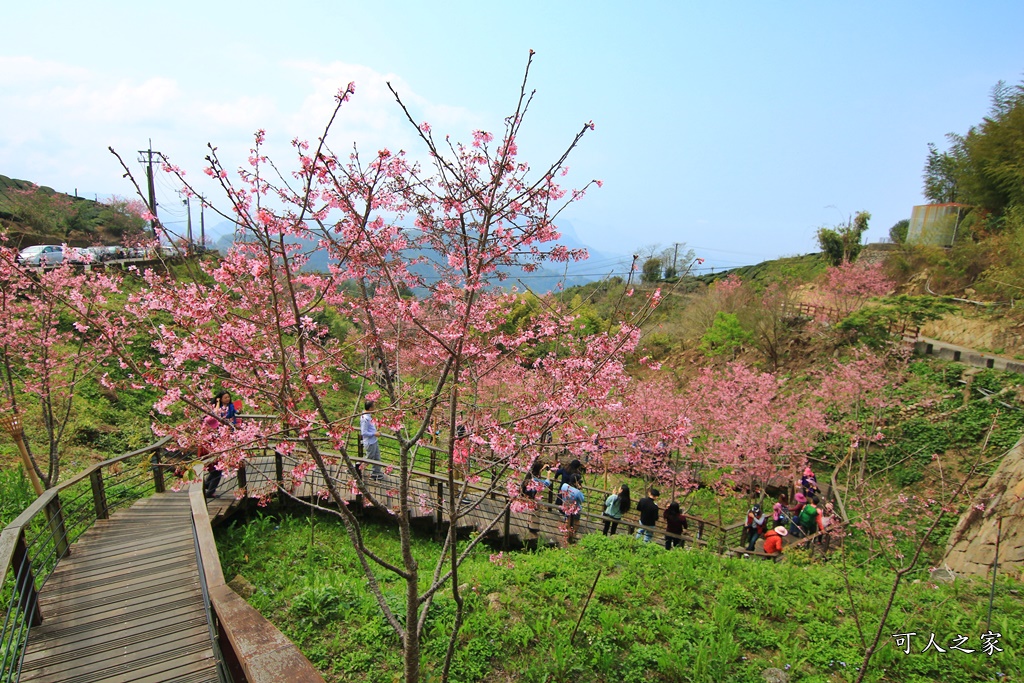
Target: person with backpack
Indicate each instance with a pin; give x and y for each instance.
(809, 518)
(648, 509)
(799, 500)
(571, 474)
(809, 483)
(757, 523)
(675, 522)
(780, 511)
(615, 506)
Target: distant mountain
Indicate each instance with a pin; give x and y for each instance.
(217, 231)
(543, 280)
(599, 264)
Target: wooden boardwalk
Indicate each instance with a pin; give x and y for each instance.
(476, 512)
(127, 603)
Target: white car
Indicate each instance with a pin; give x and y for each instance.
(42, 255)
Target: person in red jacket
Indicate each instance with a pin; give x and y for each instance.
(773, 540)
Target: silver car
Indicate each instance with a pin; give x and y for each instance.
(42, 255)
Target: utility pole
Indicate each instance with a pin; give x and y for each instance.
(146, 157)
(675, 255)
(202, 221)
(188, 209)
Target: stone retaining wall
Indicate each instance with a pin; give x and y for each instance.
(972, 545)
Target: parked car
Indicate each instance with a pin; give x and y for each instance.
(42, 255)
(110, 253)
(80, 256)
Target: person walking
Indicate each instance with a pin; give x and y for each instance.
(757, 522)
(572, 504)
(368, 432)
(675, 522)
(648, 509)
(533, 483)
(571, 474)
(224, 408)
(773, 540)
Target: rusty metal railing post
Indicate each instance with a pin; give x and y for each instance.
(279, 469)
(158, 472)
(55, 518)
(25, 582)
(99, 494)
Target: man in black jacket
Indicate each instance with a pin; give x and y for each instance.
(648, 509)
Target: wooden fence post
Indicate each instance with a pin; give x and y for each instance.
(242, 482)
(508, 524)
(440, 509)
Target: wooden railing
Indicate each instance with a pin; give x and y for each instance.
(431, 465)
(33, 544)
(254, 650)
(834, 315)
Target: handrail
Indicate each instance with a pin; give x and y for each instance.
(596, 502)
(22, 520)
(48, 494)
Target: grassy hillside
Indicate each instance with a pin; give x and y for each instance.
(40, 215)
(799, 268)
(684, 615)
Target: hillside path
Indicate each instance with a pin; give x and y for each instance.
(962, 354)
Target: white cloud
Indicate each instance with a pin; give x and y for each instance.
(59, 119)
(20, 70)
(372, 117)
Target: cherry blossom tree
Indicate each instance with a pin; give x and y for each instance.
(654, 441)
(417, 252)
(849, 286)
(854, 393)
(747, 424)
(49, 347)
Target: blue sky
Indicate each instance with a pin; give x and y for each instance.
(738, 128)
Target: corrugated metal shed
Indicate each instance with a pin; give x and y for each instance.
(935, 224)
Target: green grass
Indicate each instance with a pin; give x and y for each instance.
(16, 494)
(655, 616)
(801, 268)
